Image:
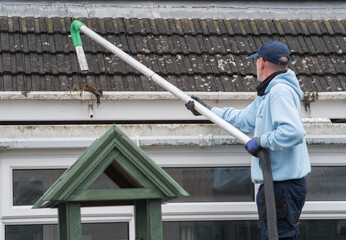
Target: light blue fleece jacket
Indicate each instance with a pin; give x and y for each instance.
(276, 119)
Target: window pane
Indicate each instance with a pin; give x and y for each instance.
(30, 184)
(227, 184)
(91, 231)
(218, 230)
(244, 230)
(322, 229)
(31, 232)
(106, 231)
(326, 184)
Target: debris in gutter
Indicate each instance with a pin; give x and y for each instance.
(25, 93)
(89, 87)
(308, 98)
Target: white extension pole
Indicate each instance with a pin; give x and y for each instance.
(165, 84)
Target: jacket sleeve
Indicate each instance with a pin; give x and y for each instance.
(285, 116)
(244, 119)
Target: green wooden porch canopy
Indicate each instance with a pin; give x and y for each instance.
(139, 182)
(114, 154)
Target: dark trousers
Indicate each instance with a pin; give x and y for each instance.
(290, 198)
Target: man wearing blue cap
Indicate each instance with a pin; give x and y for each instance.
(275, 118)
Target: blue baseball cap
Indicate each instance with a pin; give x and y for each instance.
(272, 51)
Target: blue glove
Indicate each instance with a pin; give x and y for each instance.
(253, 146)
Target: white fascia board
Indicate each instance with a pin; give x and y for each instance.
(138, 106)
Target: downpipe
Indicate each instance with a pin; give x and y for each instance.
(77, 27)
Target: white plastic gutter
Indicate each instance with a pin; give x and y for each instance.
(141, 106)
(142, 95)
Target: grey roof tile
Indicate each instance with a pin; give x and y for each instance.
(14, 24)
(197, 55)
(238, 27)
(109, 26)
(288, 28)
(312, 28)
(119, 26)
(263, 27)
(5, 41)
(187, 27)
(161, 26)
(337, 27)
(128, 26)
(153, 27)
(222, 27)
(4, 26)
(212, 27)
(197, 26)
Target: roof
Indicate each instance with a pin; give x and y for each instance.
(114, 154)
(37, 54)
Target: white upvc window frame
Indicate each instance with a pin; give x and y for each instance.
(47, 159)
(178, 156)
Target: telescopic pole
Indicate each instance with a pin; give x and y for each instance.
(78, 26)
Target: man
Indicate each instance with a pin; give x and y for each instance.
(275, 118)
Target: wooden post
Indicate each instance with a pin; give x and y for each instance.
(70, 225)
(148, 217)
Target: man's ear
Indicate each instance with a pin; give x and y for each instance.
(262, 63)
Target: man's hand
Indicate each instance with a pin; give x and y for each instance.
(190, 105)
(253, 146)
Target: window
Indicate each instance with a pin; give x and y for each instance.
(326, 184)
(30, 184)
(221, 184)
(216, 230)
(23, 222)
(90, 231)
(244, 230)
